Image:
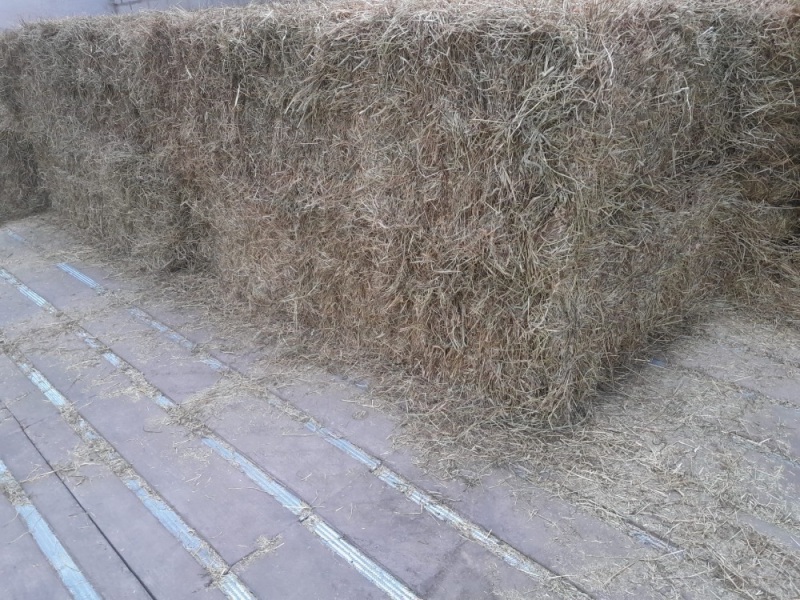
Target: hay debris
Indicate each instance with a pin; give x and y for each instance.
(13, 491)
(264, 546)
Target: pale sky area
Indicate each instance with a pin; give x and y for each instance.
(14, 11)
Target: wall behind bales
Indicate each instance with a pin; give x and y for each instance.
(511, 198)
(14, 12)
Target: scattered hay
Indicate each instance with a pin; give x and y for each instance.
(264, 546)
(14, 493)
(195, 413)
(664, 455)
(95, 452)
(511, 200)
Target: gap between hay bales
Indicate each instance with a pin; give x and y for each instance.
(510, 200)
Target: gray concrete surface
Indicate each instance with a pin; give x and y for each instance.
(685, 486)
(12, 12)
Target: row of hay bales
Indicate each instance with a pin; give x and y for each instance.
(510, 197)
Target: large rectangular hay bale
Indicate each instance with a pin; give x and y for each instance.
(513, 197)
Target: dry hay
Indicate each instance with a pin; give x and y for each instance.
(264, 546)
(511, 199)
(20, 190)
(671, 454)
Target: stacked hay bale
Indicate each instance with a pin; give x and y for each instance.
(513, 198)
(20, 191)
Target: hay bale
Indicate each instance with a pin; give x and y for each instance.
(511, 198)
(98, 171)
(21, 193)
(121, 196)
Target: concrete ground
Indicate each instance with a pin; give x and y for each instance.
(145, 453)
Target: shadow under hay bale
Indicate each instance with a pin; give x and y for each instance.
(511, 198)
